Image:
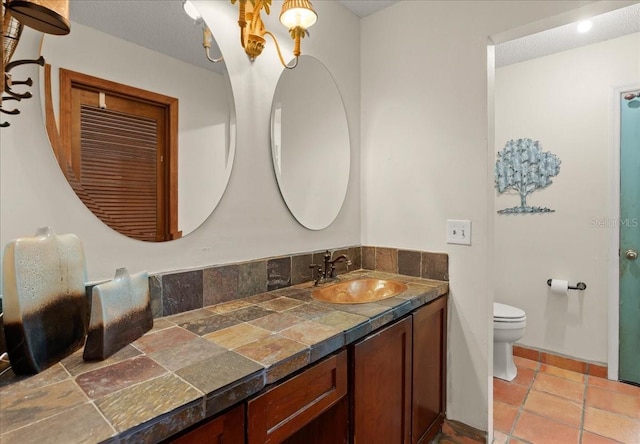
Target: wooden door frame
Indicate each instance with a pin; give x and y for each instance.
(70, 79)
(613, 349)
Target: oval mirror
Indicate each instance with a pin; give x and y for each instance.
(310, 143)
(145, 132)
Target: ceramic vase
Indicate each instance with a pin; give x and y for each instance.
(120, 314)
(45, 303)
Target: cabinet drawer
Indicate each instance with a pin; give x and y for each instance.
(286, 408)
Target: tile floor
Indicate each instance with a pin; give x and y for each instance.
(547, 404)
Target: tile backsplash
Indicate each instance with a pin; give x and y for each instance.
(173, 293)
(422, 264)
(178, 292)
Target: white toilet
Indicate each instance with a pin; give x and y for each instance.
(508, 326)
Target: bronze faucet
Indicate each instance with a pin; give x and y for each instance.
(329, 271)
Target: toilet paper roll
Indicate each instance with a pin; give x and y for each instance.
(559, 286)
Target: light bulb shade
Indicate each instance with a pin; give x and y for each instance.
(297, 13)
(191, 10)
(48, 16)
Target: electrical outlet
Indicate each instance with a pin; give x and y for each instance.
(459, 232)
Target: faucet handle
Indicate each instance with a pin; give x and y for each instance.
(313, 268)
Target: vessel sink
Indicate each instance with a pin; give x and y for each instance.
(359, 291)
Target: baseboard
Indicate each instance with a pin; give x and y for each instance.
(433, 430)
(557, 360)
(459, 432)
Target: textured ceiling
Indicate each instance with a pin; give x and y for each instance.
(363, 8)
(164, 27)
(607, 26)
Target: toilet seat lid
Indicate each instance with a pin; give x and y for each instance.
(507, 312)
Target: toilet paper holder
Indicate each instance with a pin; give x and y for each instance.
(579, 285)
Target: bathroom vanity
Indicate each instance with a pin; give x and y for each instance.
(371, 372)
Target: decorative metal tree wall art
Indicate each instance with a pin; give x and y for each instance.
(523, 167)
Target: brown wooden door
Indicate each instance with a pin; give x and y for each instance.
(225, 429)
(429, 369)
(119, 143)
(381, 403)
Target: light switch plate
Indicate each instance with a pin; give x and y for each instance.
(459, 232)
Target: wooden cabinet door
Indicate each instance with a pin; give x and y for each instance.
(382, 386)
(225, 429)
(429, 369)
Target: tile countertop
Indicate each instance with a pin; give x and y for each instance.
(193, 365)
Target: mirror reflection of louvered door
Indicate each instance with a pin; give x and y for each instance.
(120, 152)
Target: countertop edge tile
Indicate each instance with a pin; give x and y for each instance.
(401, 310)
(140, 396)
(357, 332)
(382, 319)
(287, 366)
(164, 426)
(325, 347)
(231, 395)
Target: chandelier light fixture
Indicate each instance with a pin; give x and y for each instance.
(296, 15)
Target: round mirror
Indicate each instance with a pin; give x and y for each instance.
(310, 143)
(141, 121)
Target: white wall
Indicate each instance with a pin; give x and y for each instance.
(251, 220)
(425, 158)
(564, 101)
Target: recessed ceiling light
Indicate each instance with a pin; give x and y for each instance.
(584, 26)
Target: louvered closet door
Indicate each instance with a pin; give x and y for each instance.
(117, 152)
